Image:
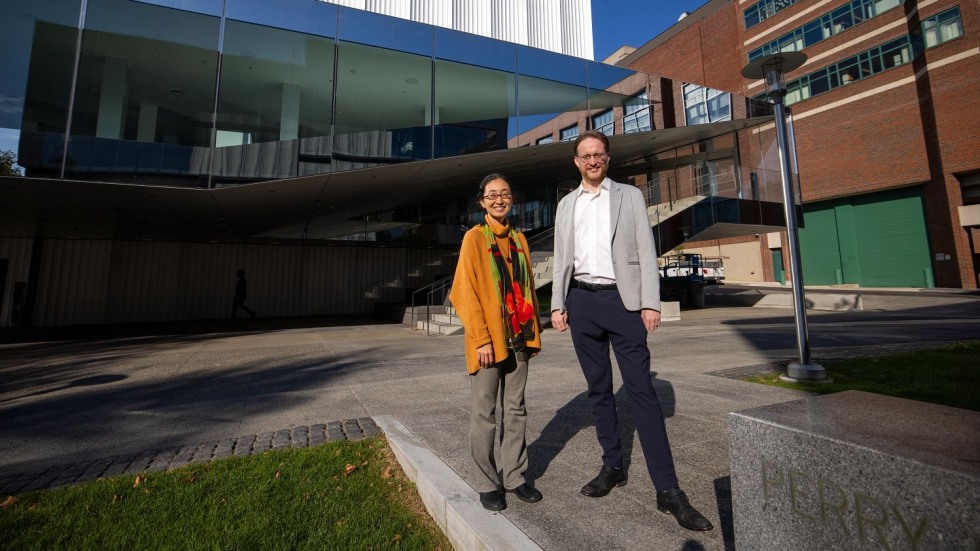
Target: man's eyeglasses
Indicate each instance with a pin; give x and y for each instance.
(492, 196)
(594, 157)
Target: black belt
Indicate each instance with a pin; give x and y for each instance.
(576, 284)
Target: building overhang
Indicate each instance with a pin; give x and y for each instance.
(322, 206)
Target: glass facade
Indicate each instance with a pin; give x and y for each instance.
(210, 94)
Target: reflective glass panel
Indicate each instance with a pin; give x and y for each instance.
(548, 85)
(145, 94)
(372, 29)
(383, 107)
(37, 52)
(274, 104)
(475, 50)
(474, 106)
(314, 18)
(475, 93)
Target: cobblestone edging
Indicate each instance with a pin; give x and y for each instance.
(173, 458)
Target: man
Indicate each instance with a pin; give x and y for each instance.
(241, 293)
(607, 291)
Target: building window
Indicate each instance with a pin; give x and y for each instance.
(703, 105)
(636, 114)
(603, 122)
(758, 13)
(825, 26)
(544, 140)
(941, 28)
(568, 134)
(933, 31)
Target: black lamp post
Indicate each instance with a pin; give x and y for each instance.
(772, 68)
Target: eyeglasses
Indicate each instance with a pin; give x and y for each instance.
(594, 157)
(492, 196)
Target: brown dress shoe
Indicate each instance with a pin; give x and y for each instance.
(675, 502)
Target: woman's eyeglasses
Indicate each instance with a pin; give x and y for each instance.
(492, 196)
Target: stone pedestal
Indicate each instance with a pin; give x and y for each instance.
(855, 470)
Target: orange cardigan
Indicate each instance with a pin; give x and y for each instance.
(476, 301)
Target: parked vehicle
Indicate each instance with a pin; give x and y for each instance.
(714, 270)
(682, 279)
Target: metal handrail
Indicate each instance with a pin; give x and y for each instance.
(441, 284)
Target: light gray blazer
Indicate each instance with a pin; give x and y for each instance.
(633, 250)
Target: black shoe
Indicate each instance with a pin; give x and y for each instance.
(493, 501)
(604, 483)
(528, 493)
(675, 502)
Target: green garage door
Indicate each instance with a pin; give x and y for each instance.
(876, 240)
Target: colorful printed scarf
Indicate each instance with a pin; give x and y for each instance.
(516, 297)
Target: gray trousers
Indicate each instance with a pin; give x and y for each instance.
(506, 379)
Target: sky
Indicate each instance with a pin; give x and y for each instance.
(617, 23)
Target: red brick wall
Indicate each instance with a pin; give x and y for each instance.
(889, 130)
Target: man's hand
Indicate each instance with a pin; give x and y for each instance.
(559, 320)
(651, 319)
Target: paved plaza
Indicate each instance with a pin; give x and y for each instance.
(90, 402)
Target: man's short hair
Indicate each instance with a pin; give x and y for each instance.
(591, 134)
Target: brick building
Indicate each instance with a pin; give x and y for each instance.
(887, 126)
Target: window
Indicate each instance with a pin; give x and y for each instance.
(933, 31)
(544, 140)
(942, 28)
(603, 122)
(703, 105)
(824, 27)
(758, 13)
(568, 134)
(636, 114)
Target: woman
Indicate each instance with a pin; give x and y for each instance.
(493, 293)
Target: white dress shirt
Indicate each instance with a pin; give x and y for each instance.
(593, 236)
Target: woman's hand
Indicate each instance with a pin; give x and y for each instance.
(484, 355)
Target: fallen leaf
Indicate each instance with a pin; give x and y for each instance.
(278, 474)
(349, 469)
(365, 464)
(386, 473)
(398, 537)
(8, 502)
(139, 480)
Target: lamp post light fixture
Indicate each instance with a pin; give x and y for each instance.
(772, 68)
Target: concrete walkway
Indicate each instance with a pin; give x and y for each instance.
(194, 390)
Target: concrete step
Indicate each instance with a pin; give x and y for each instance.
(448, 319)
(437, 328)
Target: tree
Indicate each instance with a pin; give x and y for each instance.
(8, 164)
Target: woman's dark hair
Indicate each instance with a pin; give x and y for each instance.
(490, 178)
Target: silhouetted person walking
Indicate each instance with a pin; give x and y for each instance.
(241, 293)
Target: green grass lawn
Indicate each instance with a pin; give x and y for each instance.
(339, 495)
(949, 376)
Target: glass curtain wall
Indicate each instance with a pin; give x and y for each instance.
(475, 94)
(144, 94)
(548, 86)
(34, 103)
(275, 90)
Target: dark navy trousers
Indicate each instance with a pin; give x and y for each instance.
(596, 320)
